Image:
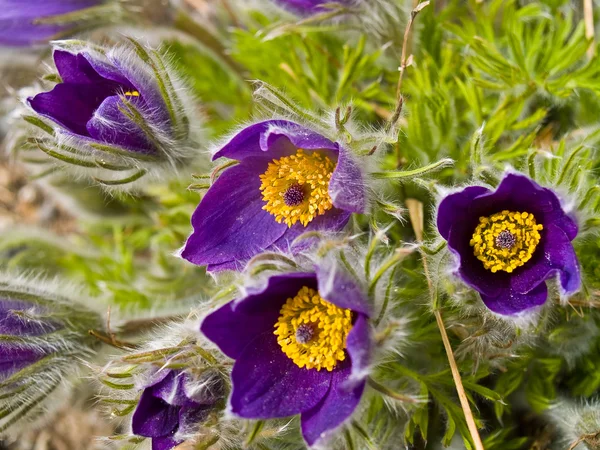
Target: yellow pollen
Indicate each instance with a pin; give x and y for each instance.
(322, 347)
(309, 172)
(132, 94)
(506, 240)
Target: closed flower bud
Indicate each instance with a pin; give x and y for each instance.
(117, 115)
(43, 338)
(31, 22)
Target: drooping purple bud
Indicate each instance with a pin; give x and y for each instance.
(43, 339)
(118, 113)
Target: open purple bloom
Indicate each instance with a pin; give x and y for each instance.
(309, 7)
(509, 241)
(172, 407)
(26, 23)
(301, 345)
(289, 180)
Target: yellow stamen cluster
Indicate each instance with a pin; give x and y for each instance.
(307, 173)
(329, 326)
(506, 240)
(132, 94)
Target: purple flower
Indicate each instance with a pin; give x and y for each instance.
(25, 23)
(309, 7)
(116, 111)
(509, 241)
(301, 345)
(289, 180)
(173, 406)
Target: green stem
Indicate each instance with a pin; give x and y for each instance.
(389, 393)
(400, 174)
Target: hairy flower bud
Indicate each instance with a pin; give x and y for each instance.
(118, 114)
(174, 388)
(31, 22)
(42, 338)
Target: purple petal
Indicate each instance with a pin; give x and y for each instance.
(13, 359)
(171, 389)
(347, 185)
(110, 125)
(164, 443)
(359, 346)
(144, 81)
(72, 105)
(33, 9)
(230, 224)
(297, 135)
(22, 33)
(554, 256)
(510, 302)
(273, 139)
(245, 144)
(308, 7)
(13, 324)
(75, 68)
(454, 210)
(337, 286)
(339, 404)
(153, 417)
(109, 72)
(332, 221)
(267, 384)
(233, 326)
(18, 17)
(517, 192)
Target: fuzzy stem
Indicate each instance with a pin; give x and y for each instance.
(464, 402)
(400, 174)
(390, 393)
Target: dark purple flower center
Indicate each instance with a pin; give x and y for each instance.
(304, 333)
(294, 195)
(505, 240)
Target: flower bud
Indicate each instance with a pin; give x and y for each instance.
(175, 404)
(173, 386)
(38, 21)
(42, 339)
(118, 114)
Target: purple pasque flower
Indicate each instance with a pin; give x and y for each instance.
(116, 110)
(301, 344)
(310, 7)
(509, 241)
(173, 406)
(289, 180)
(30, 22)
